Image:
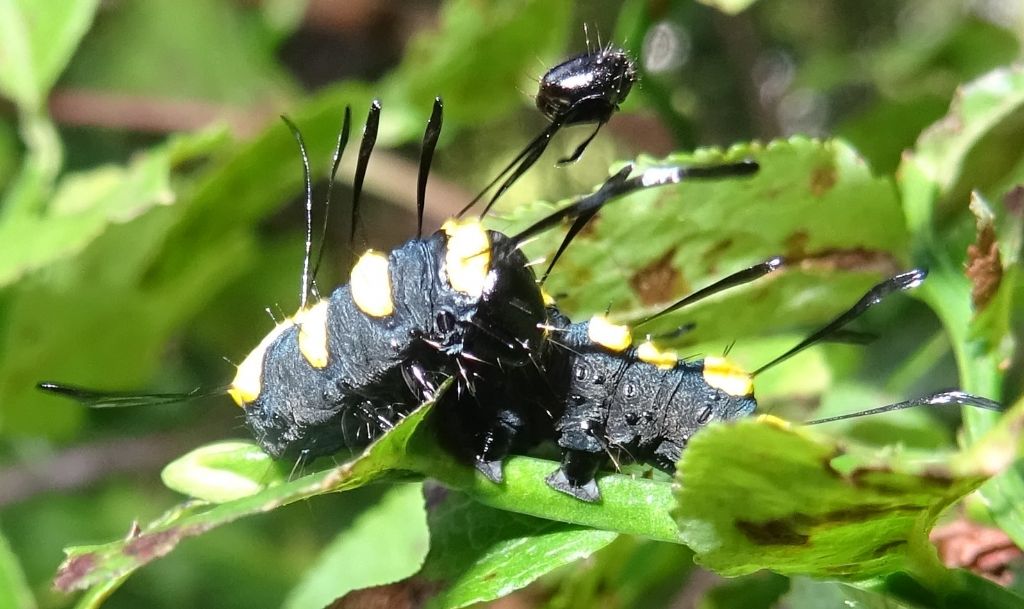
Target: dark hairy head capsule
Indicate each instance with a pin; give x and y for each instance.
(587, 88)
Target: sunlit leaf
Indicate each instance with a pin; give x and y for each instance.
(385, 544)
(36, 42)
(224, 472)
(94, 565)
(479, 554)
(806, 203)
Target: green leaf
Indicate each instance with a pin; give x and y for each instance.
(37, 39)
(173, 42)
(224, 472)
(629, 504)
(806, 593)
(807, 203)
(88, 566)
(385, 544)
(802, 504)
(158, 263)
(100, 233)
(975, 146)
(629, 572)
(1000, 447)
(759, 590)
(730, 7)
(971, 147)
(14, 590)
(481, 52)
(479, 554)
(36, 42)
(86, 203)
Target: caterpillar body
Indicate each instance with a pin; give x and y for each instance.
(465, 304)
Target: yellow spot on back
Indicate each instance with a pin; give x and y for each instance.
(666, 359)
(247, 384)
(467, 260)
(610, 336)
(313, 334)
(722, 374)
(549, 300)
(370, 284)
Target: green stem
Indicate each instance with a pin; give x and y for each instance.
(628, 505)
(948, 291)
(32, 187)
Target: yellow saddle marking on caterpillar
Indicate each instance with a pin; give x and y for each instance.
(370, 284)
(467, 256)
(665, 359)
(611, 336)
(248, 381)
(727, 376)
(313, 334)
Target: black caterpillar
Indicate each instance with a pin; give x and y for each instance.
(463, 303)
(642, 403)
(460, 303)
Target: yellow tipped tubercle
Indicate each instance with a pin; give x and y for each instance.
(665, 359)
(370, 284)
(247, 384)
(611, 336)
(467, 256)
(722, 374)
(313, 334)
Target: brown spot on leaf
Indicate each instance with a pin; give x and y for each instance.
(823, 178)
(73, 570)
(779, 532)
(863, 513)
(657, 282)
(590, 228)
(861, 478)
(984, 267)
(838, 259)
(887, 548)
(711, 256)
(865, 477)
(148, 546)
(937, 476)
(797, 528)
(796, 245)
(141, 547)
(1014, 201)
(827, 462)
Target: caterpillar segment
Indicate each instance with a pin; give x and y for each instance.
(460, 304)
(388, 334)
(634, 403)
(626, 403)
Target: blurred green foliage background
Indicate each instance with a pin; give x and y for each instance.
(150, 216)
